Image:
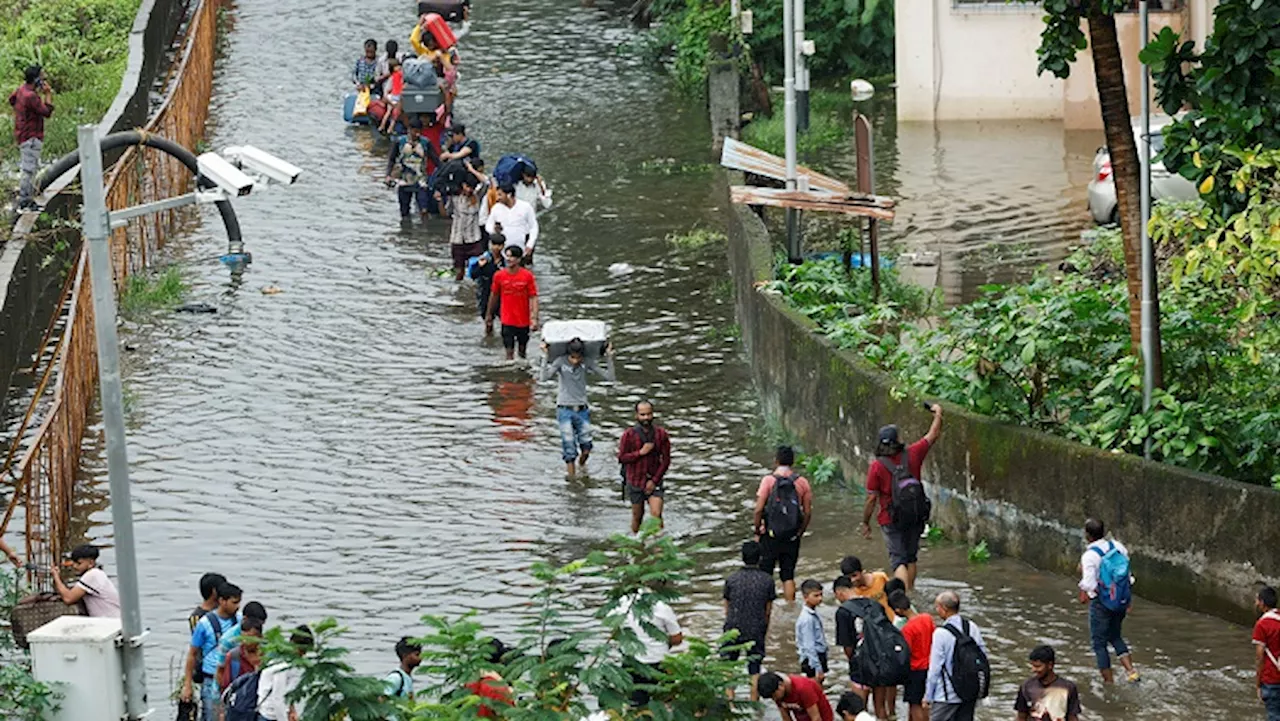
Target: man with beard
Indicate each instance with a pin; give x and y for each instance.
(645, 454)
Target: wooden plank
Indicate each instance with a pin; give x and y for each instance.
(871, 206)
(738, 155)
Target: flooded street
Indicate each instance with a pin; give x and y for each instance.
(354, 447)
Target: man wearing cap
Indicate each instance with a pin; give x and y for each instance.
(903, 543)
(94, 588)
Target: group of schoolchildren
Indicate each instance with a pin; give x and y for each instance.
(942, 668)
(223, 677)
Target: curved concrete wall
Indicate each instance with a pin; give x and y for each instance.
(1197, 541)
(32, 286)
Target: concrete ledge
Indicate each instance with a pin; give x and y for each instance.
(1198, 541)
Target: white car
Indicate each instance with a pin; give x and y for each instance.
(1102, 189)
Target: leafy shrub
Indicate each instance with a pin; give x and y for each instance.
(82, 45)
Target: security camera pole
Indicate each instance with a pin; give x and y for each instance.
(97, 231)
(98, 223)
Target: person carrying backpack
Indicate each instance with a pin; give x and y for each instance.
(1105, 585)
(878, 655)
(959, 666)
(893, 484)
(784, 505)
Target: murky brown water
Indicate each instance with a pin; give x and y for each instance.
(353, 447)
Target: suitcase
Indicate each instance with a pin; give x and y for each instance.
(441, 31)
(451, 10)
(35, 611)
(557, 334)
(420, 100)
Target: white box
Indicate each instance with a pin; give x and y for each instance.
(83, 658)
(557, 334)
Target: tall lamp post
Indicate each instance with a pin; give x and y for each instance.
(218, 181)
(1148, 336)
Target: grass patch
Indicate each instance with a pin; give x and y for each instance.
(83, 47)
(150, 292)
(935, 535)
(695, 239)
(819, 469)
(980, 553)
(829, 125)
(671, 166)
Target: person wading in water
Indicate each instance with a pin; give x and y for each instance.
(645, 454)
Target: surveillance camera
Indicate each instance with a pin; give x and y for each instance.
(225, 175)
(264, 164)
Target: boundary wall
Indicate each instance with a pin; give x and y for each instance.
(1197, 541)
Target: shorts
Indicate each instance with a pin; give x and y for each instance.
(462, 253)
(637, 496)
(913, 689)
(512, 335)
(755, 654)
(391, 99)
(810, 671)
(783, 554)
(903, 544)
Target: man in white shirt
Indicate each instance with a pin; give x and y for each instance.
(519, 222)
(94, 587)
(532, 190)
(278, 680)
(1104, 622)
(655, 648)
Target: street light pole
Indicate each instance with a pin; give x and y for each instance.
(789, 122)
(97, 233)
(1147, 334)
(802, 71)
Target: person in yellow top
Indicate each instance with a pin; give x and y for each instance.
(867, 584)
(425, 45)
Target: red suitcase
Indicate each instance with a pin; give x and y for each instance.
(451, 10)
(441, 31)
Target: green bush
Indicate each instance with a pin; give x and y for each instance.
(1054, 354)
(853, 38)
(83, 46)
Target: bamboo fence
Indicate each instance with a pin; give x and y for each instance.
(45, 477)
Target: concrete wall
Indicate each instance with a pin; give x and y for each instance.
(1197, 541)
(971, 63)
(978, 61)
(30, 285)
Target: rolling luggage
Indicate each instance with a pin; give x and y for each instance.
(451, 10)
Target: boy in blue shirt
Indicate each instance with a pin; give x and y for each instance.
(811, 639)
(204, 649)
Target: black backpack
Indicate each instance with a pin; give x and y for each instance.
(970, 672)
(783, 514)
(909, 506)
(448, 177)
(240, 700)
(882, 657)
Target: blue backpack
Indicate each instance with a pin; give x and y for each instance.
(511, 167)
(240, 700)
(1113, 578)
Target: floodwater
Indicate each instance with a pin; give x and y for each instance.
(352, 446)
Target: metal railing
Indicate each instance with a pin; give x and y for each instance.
(47, 471)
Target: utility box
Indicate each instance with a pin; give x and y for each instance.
(82, 658)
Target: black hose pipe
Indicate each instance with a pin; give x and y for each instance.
(186, 157)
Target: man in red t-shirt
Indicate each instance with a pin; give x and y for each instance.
(903, 543)
(1266, 644)
(515, 294)
(918, 632)
(799, 698)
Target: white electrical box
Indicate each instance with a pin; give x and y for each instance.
(83, 659)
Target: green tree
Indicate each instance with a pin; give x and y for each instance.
(1061, 40)
(1232, 91)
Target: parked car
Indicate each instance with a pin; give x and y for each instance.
(1102, 189)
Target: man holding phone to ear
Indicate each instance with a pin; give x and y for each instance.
(32, 102)
(893, 483)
